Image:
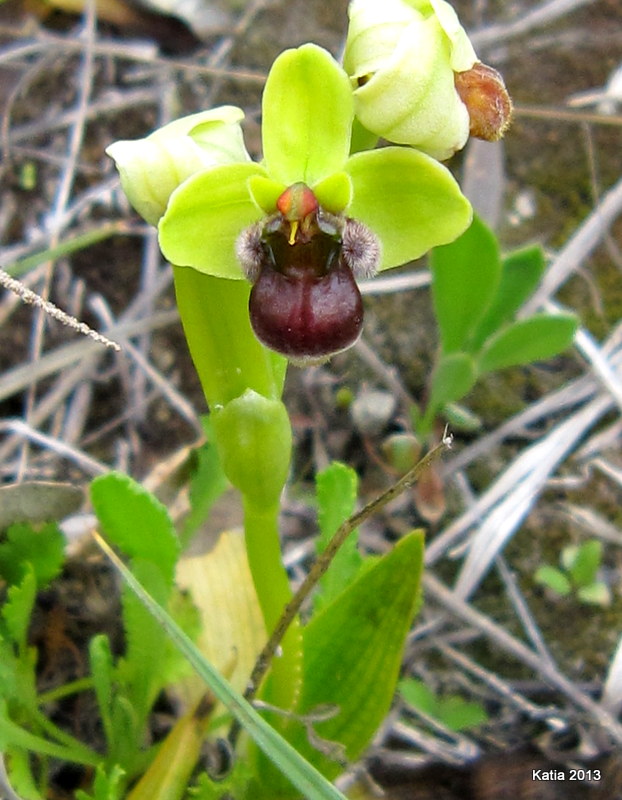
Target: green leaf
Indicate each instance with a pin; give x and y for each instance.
(100, 659)
(139, 524)
(42, 548)
(457, 714)
(307, 116)
(534, 339)
(418, 695)
(145, 668)
(465, 276)
(596, 594)
(353, 651)
(586, 562)
(136, 521)
(204, 217)
(453, 377)
(568, 555)
(461, 418)
(408, 199)
(554, 579)
(17, 608)
(452, 711)
(18, 683)
(19, 768)
(207, 483)
(13, 735)
(336, 489)
(302, 775)
(70, 245)
(108, 785)
(520, 274)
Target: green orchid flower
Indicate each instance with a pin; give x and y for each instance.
(417, 79)
(409, 201)
(308, 220)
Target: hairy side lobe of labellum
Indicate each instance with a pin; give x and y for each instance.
(305, 303)
(483, 92)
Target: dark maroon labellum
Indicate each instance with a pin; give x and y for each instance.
(302, 262)
(305, 302)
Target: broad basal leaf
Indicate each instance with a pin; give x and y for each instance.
(336, 489)
(465, 276)
(453, 377)
(535, 339)
(520, 273)
(353, 650)
(136, 521)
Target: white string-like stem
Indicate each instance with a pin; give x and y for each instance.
(33, 299)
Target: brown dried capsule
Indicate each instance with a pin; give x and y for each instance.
(483, 92)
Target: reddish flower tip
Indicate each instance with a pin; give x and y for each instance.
(297, 202)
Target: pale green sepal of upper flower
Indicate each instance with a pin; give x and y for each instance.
(307, 116)
(401, 56)
(152, 168)
(462, 54)
(204, 217)
(373, 33)
(419, 206)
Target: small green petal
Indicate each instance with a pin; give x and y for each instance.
(307, 116)
(335, 192)
(265, 192)
(205, 216)
(463, 55)
(222, 115)
(408, 199)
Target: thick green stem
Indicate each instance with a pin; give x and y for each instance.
(273, 589)
(243, 382)
(226, 354)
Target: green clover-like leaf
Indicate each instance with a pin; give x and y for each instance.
(307, 116)
(408, 199)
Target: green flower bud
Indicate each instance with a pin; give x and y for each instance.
(152, 168)
(402, 56)
(254, 440)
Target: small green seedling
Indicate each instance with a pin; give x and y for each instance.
(476, 295)
(451, 710)
(577, 574)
